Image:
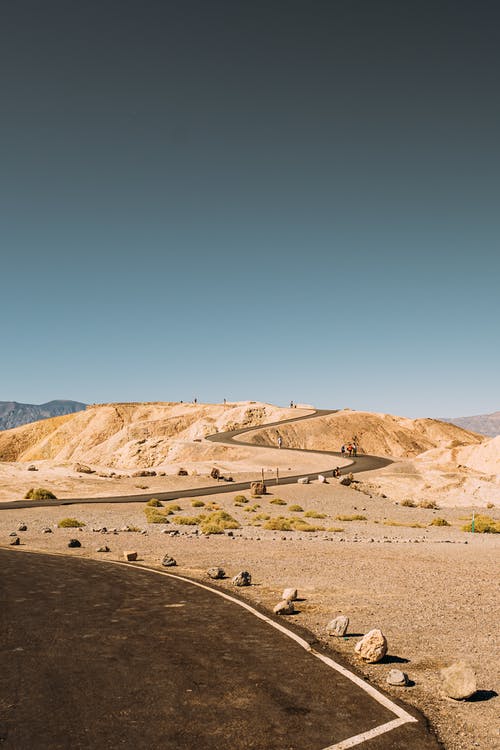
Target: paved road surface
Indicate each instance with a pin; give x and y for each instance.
(98, 656)
(359, 464)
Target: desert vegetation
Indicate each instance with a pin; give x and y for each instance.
(39, 493)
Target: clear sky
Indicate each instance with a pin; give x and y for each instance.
(252, 200)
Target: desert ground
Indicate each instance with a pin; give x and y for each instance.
(368, 550)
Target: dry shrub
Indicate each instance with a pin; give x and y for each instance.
(154, 503)
(408, 504)
(39, 493)
(355, 517)
(70, 523)
(428, 504)
(439, 522)
(277, 501)
(296, 508)
(483, 525)
(218, 522)
(314, 514)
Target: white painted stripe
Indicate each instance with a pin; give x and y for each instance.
(365, 736)
(403, 716)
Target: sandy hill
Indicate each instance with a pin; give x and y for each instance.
(379, 434)
(131, 435)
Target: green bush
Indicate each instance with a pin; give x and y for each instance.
(483, 525)
(70, 523)
(39, 493)
(154, 503)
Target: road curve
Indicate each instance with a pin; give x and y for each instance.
(358, 464)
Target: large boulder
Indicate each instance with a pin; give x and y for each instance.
(168, 562)
(83, 469)
(458, 681)
(372, 647)
(284, 608)
(243, 578)
(338, 626)
(216, 573)
(257, 488)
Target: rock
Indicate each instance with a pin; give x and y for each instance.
(83, 469)
(215, 473)
(346, 481)
(216, 573)
(303, 480)
(289, 595)
(182, 473)
(74, 543)
(338, 626)
(397, 677)
(242, 579)
(32, 467)
(103, 549)
(321, 479)
(144, 473)
(15, 541)
(162, 473)
(372, 647)
(175, 532)
(22, 527)
(458, 681)
(47, 530)
(130, 556)
(168, 562)
(284, 608)
(13, 533)
(257, 488)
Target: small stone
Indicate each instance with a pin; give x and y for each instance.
(171, 533)
(458, 681)
(103, 549)
(74, 543)
(168, 562)
(22, 527)
(31, 467)
(216, 573)
(284, 608)
(321, 478)
(303, 480)
(47, 530)
(13, 533)
(289, 595)
(83, 469)
(130, 556)
(397, 677)
(338, 626)
(346, 481)
(15, 541)
(242, 579)
(372, 647)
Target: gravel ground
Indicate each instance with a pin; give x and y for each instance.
(432, 590)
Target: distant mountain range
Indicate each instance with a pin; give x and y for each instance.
(485, 424)
(13, 414)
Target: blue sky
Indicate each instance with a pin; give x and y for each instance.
(272, 202)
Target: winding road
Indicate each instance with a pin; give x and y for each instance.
(358, 464)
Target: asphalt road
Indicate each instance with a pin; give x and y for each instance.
(359, 464)
(102, 656)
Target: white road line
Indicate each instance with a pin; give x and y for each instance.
(403, 716)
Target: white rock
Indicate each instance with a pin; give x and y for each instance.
(303, 480)
(338, 626)
(458, 681)
(372, 647)
(289, 595)
(321, 478)
(397, 677)
(284, 608)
